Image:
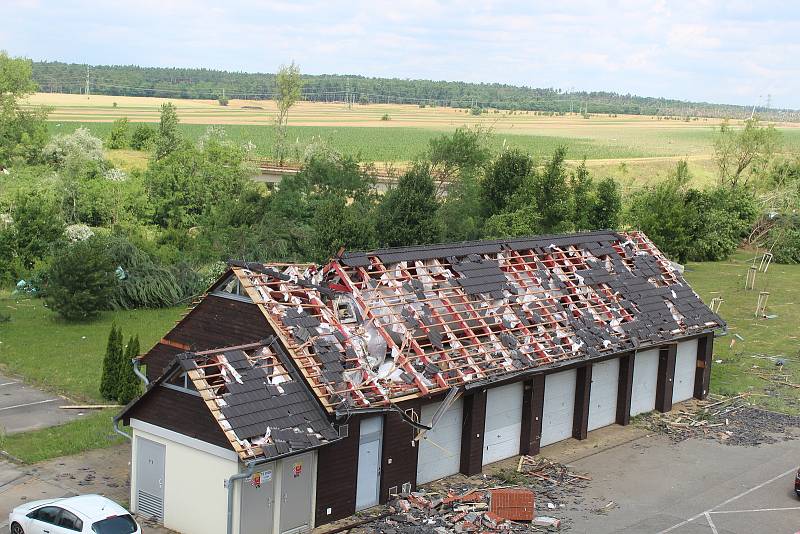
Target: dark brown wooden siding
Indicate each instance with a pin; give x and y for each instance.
(399, 455)
(532, 411)
(472, 433)
(702, 376)
(181, 412)
(215, 322)
(337, 472)
(159, 359)
(666, 377)
(625, 388)
(583, 392)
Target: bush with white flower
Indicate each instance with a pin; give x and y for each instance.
(78, 232)
(79, 145)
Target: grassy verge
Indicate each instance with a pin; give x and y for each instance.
(64, 357)
(92, 431)
(752, 344)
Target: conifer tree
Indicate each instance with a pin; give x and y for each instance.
(108, 382)
(129, 387)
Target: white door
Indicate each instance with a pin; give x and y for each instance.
(503, 423)
(369, 462)
(559, 406)
(150, 466)
(603, 396)
(258, 501)
(440, 447)
(645, 381)
(685, 367)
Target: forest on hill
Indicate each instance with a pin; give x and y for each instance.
(132, 80)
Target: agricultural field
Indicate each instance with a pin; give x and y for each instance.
(633, 149)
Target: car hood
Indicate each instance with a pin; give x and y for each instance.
(28, 506)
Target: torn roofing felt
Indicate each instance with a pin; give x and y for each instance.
(257, 398)
(371, 329)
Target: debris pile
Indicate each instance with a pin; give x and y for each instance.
(733, 421)
(472, 511)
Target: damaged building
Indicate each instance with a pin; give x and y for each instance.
(294, 395)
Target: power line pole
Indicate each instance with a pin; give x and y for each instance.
(87, 81)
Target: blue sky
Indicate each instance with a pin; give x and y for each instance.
(731, 52)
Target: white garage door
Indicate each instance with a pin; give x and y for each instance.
(559, 406)
(685, 367)
(503, 423)
(603, 396)
(645, 380)
(440, 448)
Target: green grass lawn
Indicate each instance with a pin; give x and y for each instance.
(63, 357)
(760, 339)
(91, 431)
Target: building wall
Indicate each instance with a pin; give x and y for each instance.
(336, 477)
(195, 497)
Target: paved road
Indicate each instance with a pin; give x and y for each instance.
(23, 407)
(697, 486)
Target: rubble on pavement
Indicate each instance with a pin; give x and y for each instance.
(537, 489)
(732, 421)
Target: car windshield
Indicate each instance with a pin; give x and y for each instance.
(120, 524)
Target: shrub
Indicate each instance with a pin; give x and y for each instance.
(81, 281)
(386, 117)
(80, 145)
(223, 100)
(118, 137)
(141, 282)
(143, 137)
(786, 244)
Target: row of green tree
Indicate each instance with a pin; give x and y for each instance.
(132, 80)
(87, 236)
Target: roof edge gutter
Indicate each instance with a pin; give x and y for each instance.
(138, 372)
(118, 430)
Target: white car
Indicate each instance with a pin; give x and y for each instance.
(84, 513)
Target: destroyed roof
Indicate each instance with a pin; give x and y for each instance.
(371, 329)
(257, 398)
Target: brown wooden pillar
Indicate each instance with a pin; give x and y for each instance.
(702, 376)
(666, 377)
(625, 388)
(583, 389)
(532, 411)
(472, 433)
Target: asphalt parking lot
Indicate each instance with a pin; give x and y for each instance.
(694, 487)
(23, 407)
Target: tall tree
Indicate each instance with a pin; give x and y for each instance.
(503, 179)
(605, 206)
(114, 353)
(582, 197)
(552, 195)
(288, 85)
(22, 132)
(168, 138)
(128, 384)
(738, 151)
(407, 213)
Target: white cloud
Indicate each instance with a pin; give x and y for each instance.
(700, 49)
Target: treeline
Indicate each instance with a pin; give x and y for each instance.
(87, 236)
(131, 80)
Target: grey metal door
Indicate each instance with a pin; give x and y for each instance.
(369, 462)
(258, 501)
(150, 478)
(296, 488)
